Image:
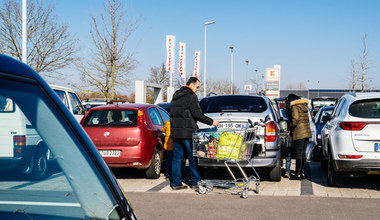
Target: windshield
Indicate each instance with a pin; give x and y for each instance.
(233, 104)
(321, 103)
(44, 169)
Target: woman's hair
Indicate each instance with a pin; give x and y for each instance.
(291, 97)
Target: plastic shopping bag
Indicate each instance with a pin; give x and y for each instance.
(230, 146)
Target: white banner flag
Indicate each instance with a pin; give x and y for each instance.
(196, 63)
(182, 60)
(170, 48)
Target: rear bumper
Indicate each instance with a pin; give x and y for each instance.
(358, 165)
(270, 160)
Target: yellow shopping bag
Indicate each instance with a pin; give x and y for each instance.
(230, 146)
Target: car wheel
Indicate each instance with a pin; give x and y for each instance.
(275, 173)
(40, 166)
(333, 177)
(154, 170)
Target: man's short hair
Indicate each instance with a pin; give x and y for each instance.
(192, 80)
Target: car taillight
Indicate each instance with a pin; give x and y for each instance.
(140, 118)
(352, 125)
(341, 156)
(19, 140)
(271, 132)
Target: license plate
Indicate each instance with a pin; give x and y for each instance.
(110, 153)
(230, 125)
(377, 147)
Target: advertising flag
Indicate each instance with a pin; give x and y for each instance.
(196, 64)
(170, 48)
(182, 60)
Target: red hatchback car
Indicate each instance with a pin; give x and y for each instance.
(128, 135)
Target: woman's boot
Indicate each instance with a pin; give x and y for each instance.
(297, 176)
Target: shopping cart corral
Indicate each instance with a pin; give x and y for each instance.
(232, 147)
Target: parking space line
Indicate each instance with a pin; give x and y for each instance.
(159, 186)
(306, 185)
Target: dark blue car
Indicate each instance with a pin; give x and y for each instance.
(320, 119)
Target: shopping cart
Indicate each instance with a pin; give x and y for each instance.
(232, 147)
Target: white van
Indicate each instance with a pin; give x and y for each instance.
(71, 100)
(21, 147)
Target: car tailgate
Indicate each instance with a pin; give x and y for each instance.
(368, 138)
(114, 136)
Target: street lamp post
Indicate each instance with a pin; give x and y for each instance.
(318, 88)
(308, 89)
(204, 65)
(246, 75)
(257, 83)
(232, 70)
(24, 32)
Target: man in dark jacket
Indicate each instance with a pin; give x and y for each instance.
(184, 114)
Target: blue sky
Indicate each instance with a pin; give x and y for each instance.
(311, 40)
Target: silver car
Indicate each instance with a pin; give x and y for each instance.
(350, 140)
(233, 112)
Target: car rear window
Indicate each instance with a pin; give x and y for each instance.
(233, 104)
(369, 108)
(111, 118)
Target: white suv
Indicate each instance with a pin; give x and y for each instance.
(350, 140)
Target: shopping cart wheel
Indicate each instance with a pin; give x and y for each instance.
(244, 194)
(202, 190)
(257, 189)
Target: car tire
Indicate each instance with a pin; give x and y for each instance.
(275, 172)
(40, 166)
(154, 170)
(334, 178)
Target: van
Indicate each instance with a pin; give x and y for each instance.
(71, 101)
(21, 147)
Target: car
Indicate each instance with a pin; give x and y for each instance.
(71, 101)
(22, 148)
(320, 119)
(350, 140)
(128, 135)
(318, 102)
(235, 111)
(165, 105)
(82, 186)
(88, 104)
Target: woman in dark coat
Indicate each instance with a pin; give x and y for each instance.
(298, 113)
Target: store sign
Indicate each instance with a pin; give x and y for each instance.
(273, 74)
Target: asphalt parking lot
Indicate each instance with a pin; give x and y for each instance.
(314, 185)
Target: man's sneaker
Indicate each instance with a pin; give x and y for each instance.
(179, 187)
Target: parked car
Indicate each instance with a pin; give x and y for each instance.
(88, 104)
(320, 119)
(128, 135)
(83, 187)
(234, 111)
(71, 101)
(319, 102)
(350, 140)
(165, 105)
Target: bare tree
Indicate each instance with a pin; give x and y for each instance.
(159, 75)
(219, 87)
(364, 65)
(299, 86)
(50, 45)
(110, 66)
(353, 77)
